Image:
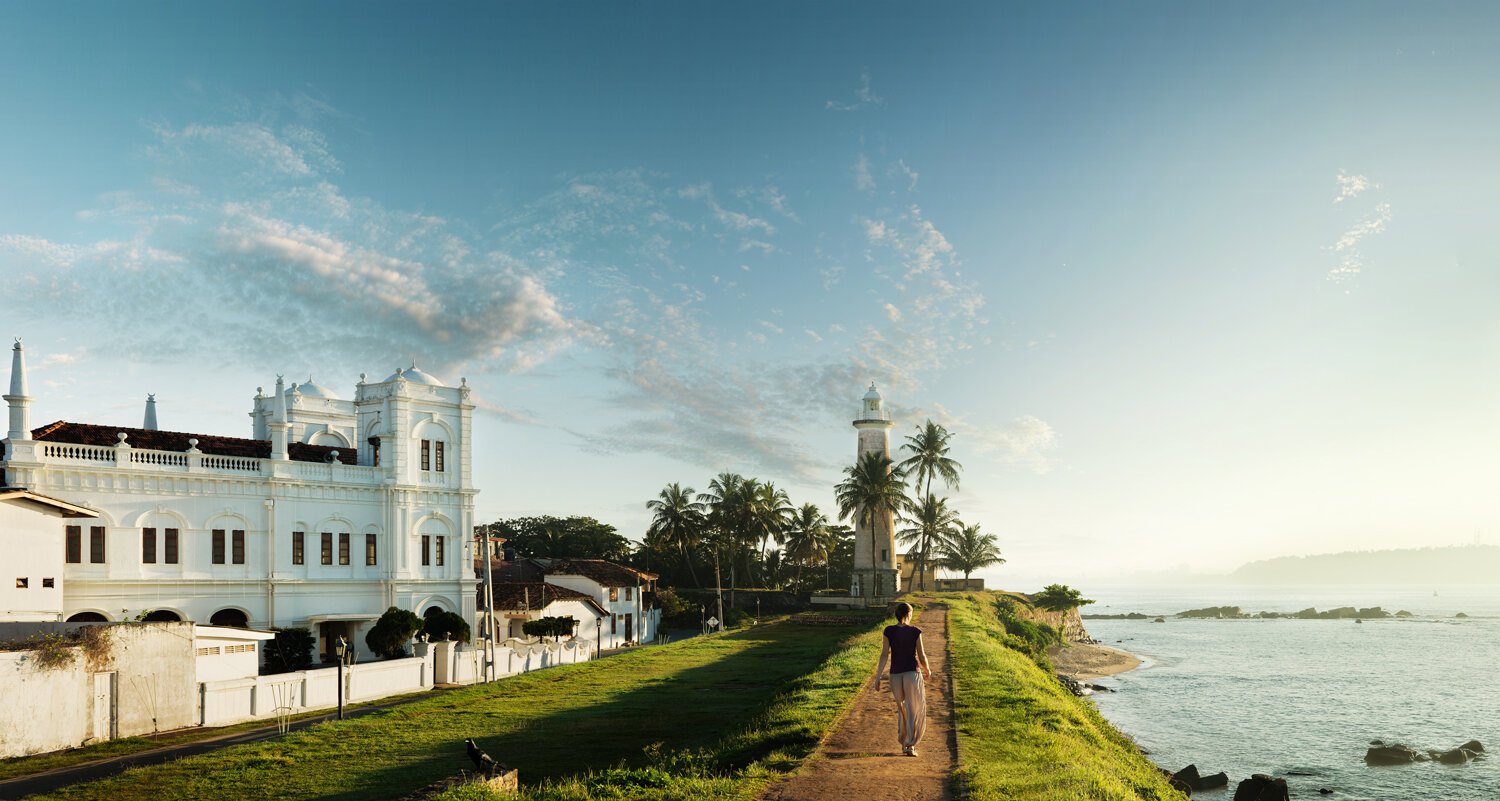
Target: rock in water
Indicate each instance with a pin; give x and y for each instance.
(1261, 787)
(1188, 775)
(1212, 781)
(1391, 755)
(1473, 745)
(1457, 756)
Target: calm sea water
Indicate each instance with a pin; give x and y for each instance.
(1307, 696)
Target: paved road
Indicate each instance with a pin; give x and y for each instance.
(92, 771)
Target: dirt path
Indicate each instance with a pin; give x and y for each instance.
(861, 760)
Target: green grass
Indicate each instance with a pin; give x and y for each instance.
(1022, 737)
(126, 746)
(729, 712)
(742, 762)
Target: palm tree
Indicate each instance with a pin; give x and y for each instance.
(770, 514)
(929, 459)
(728, 500)
(970, 550)
(807, 540)
(933, 525)
(871, 491)
(677, 522)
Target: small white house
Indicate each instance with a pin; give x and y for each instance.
(222, 653)
(520, 601)
(626, 595)
(31, 589)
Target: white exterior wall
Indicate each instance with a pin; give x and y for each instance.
(222, 654)
(148, 686)
(32, 542)
(270, 499)
(645, 623)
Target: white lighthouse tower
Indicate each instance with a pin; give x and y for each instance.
(875, 575)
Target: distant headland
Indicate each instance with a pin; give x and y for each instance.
(1463, 564)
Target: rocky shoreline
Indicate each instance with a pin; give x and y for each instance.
(1310, 613)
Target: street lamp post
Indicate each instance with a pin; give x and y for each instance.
(340, 648)
(757, 610)
(598, 636)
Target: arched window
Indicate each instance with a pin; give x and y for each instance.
(163, 616)
(88, 617)
(233, 618)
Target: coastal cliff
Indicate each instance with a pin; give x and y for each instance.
(1022, 735)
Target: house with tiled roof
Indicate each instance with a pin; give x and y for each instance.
(627, 595)
(331, 511)
(516, 602)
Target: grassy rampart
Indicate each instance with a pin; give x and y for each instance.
(729, 712)
(1022, 737)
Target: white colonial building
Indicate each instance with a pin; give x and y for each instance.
(332, 511)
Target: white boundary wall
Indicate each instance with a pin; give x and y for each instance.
(222, 703)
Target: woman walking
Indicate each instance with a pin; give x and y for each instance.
(902, 647)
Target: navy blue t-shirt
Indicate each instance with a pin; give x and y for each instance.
(903, 641)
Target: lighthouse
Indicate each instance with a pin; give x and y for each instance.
(875, 575)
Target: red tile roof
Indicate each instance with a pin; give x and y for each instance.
(607, 573)
(512, 596)
(90, 434)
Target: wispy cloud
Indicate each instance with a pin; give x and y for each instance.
(1351, 260)
(864, 181)
(864, 97)
(339, 280)
(1351, 186)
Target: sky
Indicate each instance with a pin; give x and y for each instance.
(1191, 284)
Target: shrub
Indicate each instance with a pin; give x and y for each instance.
(736, 617)
(1059, 598)
(290, 650)
(51, 651)
(549, 627)
(675, 609)
(446, 626)
(1025, 635)
(391, 633)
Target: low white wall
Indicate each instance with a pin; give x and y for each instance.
(43, 710)
(235, 700)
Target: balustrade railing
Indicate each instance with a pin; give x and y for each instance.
(85, 453)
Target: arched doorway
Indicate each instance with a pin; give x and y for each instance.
(233, 618)
(163, 616)
(88, 617)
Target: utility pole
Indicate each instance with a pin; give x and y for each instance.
(489, 612)
(719, 586)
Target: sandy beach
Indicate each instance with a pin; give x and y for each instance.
(1084, 662)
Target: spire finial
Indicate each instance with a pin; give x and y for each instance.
(150, 421)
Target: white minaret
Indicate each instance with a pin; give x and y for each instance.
(881, 581)
(150, 423)
(278, 421)
(18, 399)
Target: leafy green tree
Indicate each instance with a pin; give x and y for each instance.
(677, 521)
(969, 550)
(441, 625)
(870, 491)
(1059, 598)
(561, 537)
(391, 633)
(929, 458)
(554, 627)
(933, 524)
(291, 650)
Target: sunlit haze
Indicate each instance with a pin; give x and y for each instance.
(1191, 286)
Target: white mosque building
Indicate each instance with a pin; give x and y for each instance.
(332, 511)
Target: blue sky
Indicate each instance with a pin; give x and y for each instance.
(1192, 284)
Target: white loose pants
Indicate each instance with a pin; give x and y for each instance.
(911, 707)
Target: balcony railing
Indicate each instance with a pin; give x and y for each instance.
(190, 462)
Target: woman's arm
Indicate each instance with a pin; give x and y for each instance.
(885, 654)
(922, 658)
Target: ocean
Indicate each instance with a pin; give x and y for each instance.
(1302, 699)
